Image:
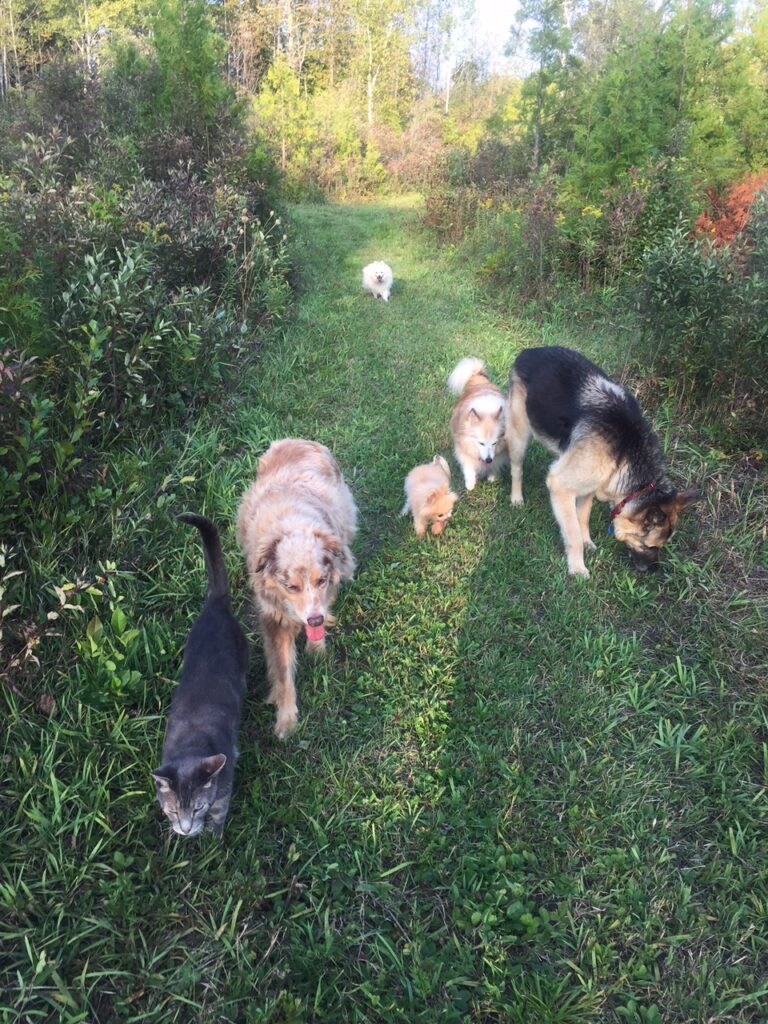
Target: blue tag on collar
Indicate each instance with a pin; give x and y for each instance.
(610, 529)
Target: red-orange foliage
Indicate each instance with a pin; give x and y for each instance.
(728, 213)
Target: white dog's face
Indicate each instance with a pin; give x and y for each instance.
(487, 451)
(300, 573)
(377, 274)
(485, 428)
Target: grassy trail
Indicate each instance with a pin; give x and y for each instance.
(513, 796)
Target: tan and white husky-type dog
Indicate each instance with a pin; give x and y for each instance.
(428, 496)
(478, 422)
(296, 523)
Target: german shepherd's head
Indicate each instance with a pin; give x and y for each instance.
(645, 531)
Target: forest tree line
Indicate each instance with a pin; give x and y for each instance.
(625, 146)
(603, 85)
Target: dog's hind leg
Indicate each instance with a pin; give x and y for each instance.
(518, 436)
(280, 652)
(583, 510)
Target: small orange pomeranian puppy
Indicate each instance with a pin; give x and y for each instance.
(428, 496)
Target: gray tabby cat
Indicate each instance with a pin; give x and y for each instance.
(194, 783)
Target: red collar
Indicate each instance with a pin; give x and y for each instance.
(633, 494)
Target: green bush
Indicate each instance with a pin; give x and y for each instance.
(705, 314)
(128, 281)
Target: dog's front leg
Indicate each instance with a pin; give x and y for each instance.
(517, 437)
(280, 651)
(583, 510)
(468, 470)
(564, 508)
(420, 524)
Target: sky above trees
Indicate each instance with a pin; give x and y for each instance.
(494, 20)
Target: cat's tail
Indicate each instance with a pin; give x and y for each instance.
(218, 584)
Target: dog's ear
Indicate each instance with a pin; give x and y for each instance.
(339, 559)
(267, 555)
(331, 544)
(473, 413)
(653, 515)
(432, 497)
(681, 501)
(498, 414)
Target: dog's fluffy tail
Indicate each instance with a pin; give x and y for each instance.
(218, 584)
(462, 372)
(440, 461)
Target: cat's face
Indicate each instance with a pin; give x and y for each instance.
(186, 790)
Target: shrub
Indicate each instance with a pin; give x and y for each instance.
(413, 157)
(729, 214)
(495, 166)
(518, 239)
(705, 309)
(123, 297)
(605, 238)
(449, 212)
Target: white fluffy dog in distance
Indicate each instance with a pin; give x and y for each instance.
(296, 523)
(478, 422)
(377, 279)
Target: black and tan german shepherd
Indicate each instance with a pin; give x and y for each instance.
(605, 448)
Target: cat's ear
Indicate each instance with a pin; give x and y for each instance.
(163, 779)
(211, 766)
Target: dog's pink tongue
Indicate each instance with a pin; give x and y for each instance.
(314, 633)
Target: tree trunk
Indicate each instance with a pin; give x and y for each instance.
(369, 89)
(537, 121)
(371, 82)
(16, 80)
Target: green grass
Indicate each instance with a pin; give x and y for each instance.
(513, 796)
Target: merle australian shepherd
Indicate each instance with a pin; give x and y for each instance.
(605, 449)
